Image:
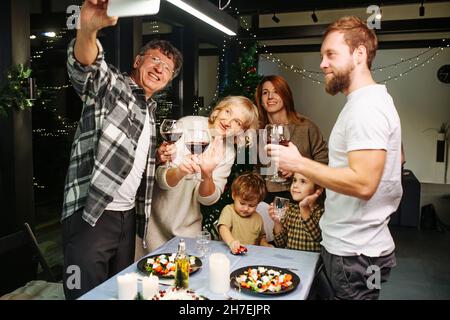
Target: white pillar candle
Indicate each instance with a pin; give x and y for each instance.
(219, 273)
(127, 286)
(150, 286)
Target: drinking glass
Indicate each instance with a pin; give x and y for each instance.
(196, 141)
(171, 131)
(280, 205)
(202, 242)
(277, 134)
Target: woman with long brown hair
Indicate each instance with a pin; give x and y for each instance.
(276, 106)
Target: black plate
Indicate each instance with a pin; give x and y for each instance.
(141, 265)
(236, 273)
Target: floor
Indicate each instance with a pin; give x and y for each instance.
(422, 272)
(423, 266)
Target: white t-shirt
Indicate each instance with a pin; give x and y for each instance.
(351, 226)
(124, 197)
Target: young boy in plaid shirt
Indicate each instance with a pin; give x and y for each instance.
(299, 229)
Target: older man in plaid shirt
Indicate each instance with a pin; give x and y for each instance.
(109, 182)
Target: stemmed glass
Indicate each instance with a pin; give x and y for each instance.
(171, 131)
(277, 134)
(196, 141)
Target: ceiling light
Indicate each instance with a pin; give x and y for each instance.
(32, 37)
(202, 16)
(49, 34)
(275, 18)
(421, 10)
(314, 17)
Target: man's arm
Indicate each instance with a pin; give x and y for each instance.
(228, 238)
(86, 49)
(360, 179)
(93, 17)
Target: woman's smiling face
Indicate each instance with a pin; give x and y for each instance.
(271, 100)
(229, 121)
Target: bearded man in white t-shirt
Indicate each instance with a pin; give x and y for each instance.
(363, 177)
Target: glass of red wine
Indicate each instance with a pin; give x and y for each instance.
(196, 141)
(171, 131)
(277, 134)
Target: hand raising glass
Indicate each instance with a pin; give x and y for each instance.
(277, 134)
(171, 131)
(196, 141)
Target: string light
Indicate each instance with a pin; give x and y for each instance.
(37, 185)
(57, 88)
(67, 127)
(313, 75)
(411, 68)
(219, 63)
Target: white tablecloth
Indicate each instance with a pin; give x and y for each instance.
(300, 262)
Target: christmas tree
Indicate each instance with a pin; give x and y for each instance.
(243, 79)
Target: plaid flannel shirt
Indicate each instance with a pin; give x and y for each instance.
(299, 234)
(104, 146)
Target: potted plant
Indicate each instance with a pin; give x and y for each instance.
(17, 92)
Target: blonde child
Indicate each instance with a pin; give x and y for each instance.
(299, 229)
(239, 223)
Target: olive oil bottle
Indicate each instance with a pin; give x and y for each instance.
(182, 267)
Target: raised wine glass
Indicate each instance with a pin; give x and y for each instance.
(277, 134)
(171, 131)
(196, 141)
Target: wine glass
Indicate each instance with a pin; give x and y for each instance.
(280, 205)
(196, 141)
(171, 131)
(277, 134)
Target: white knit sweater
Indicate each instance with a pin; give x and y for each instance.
(176, 210)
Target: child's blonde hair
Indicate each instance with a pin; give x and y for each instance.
(249, 187)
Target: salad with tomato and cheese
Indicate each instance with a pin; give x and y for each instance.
(164, 264)
(262, 279)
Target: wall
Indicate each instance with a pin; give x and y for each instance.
(207, 81)
(422, 102)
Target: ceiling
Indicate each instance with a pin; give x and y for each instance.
(283, 6)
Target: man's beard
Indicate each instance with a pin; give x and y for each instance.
(339, 82)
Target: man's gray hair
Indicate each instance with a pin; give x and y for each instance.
(168, 50)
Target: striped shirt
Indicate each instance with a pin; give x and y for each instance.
(299, 234)
(104, 146)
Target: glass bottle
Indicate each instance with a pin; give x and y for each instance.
(182, 266)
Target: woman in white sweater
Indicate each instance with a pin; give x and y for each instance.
(176, 200)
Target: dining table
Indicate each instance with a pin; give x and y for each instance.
(301, 263)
